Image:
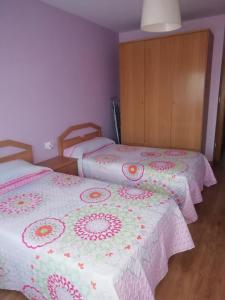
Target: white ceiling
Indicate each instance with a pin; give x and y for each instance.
(124, 15)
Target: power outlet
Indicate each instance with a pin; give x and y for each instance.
(48, 145)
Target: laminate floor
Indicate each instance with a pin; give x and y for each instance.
(198, 274)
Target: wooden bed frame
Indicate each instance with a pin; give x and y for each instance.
(64, 142)
(25, 154)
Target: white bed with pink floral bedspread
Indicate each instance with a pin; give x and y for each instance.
(180, 173)
(65, 237)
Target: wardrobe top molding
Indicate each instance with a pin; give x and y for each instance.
(168, 36)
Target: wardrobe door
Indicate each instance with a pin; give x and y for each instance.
(132, 93)
(159, 69)
(189, 81)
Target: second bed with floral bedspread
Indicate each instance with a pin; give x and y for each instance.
(179, 173)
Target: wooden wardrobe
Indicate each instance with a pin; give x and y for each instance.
(164, 90)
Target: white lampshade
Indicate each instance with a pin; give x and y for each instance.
(160, 15)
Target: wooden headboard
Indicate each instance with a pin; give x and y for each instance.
(25, 153)
(64, 142)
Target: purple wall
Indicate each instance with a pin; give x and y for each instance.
(55, 70)
(217, 25)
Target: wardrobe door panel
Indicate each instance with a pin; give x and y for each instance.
(132, 93)
(159, 62)
(189, 90)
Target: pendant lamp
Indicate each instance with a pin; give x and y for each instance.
(160, 15)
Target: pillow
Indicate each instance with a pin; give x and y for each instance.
(81, 149)
(16, 173)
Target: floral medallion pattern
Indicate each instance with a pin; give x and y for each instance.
(124, 148)
(106, 158)
(96, 230)
(42, 232)
(162, 165)
(61, 288)
(179, 154)
(130, 193)
(166, 167)
(32, 293)
(97, 226)
(142, 196)
(65, 180)
(20, 204)
(175, 153)
(151, 154)
(133, 171)
(61, 280)
(162, 191)
(95, 195)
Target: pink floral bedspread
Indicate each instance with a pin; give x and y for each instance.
(66, 237)
(180, 173)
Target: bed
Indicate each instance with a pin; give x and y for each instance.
(66, 237)
(180, 173)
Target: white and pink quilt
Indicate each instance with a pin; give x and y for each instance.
(65, 237)
(179, 173)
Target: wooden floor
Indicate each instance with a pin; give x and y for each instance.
(198, 274)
